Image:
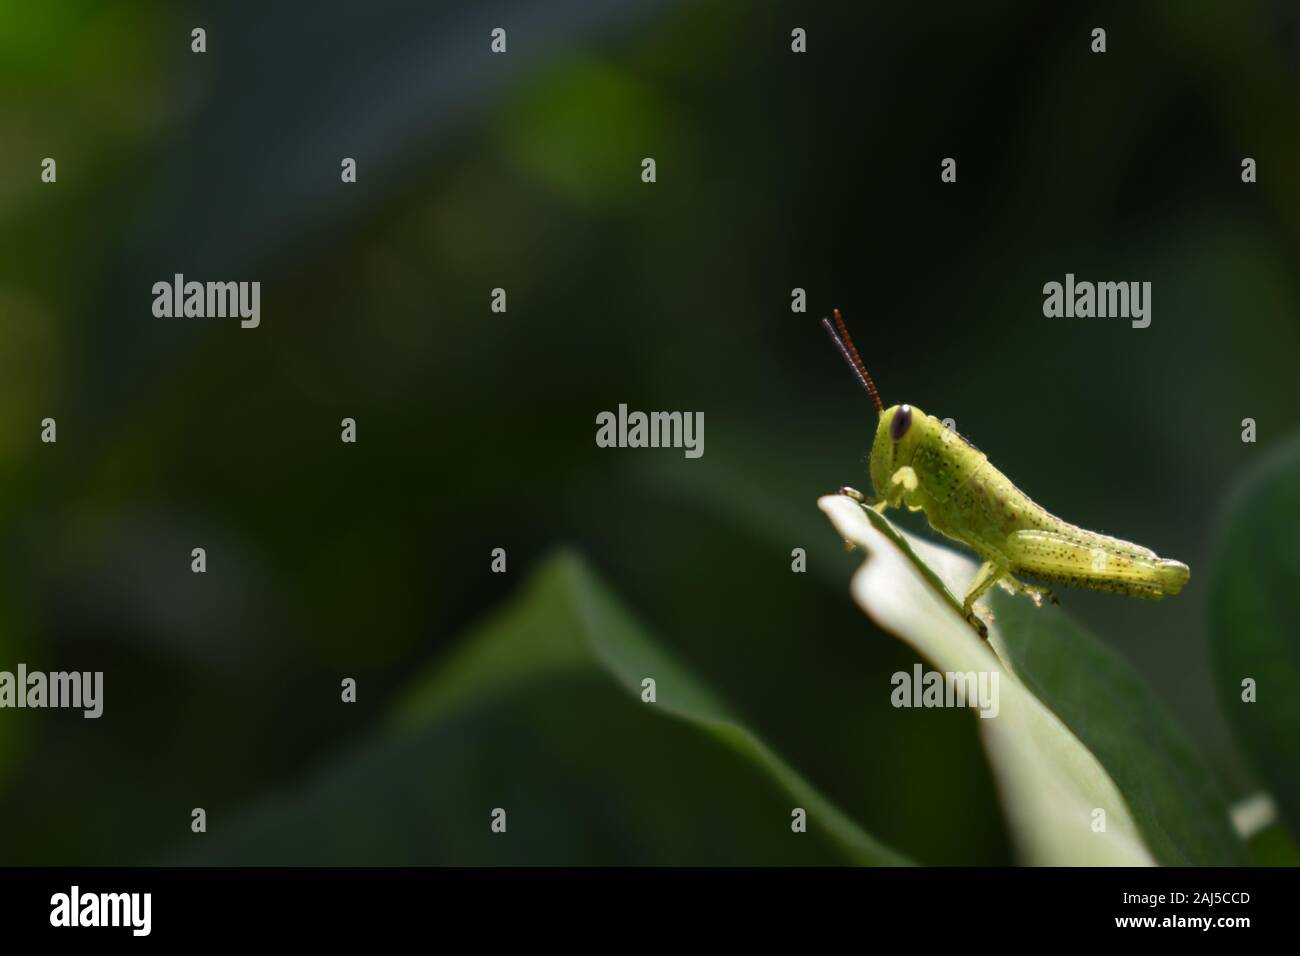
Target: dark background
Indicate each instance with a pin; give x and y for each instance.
(476, 430)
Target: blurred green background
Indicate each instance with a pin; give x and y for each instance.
(476, 429)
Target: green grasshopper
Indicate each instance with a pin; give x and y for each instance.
(919, 462)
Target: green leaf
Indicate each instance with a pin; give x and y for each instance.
(540, 712)
(1075, 731)
(1179, 809)
(1255, 621)
(810, 675)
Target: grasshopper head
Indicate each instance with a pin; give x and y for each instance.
(898, 432)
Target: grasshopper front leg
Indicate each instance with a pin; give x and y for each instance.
(878, 504)
(902, 483)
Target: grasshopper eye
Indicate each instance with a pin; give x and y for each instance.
(901, 422)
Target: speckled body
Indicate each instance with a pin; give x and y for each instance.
(966, 498)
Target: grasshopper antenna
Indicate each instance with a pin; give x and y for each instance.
(844, 343)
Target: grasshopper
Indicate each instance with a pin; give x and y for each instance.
(918, 462)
